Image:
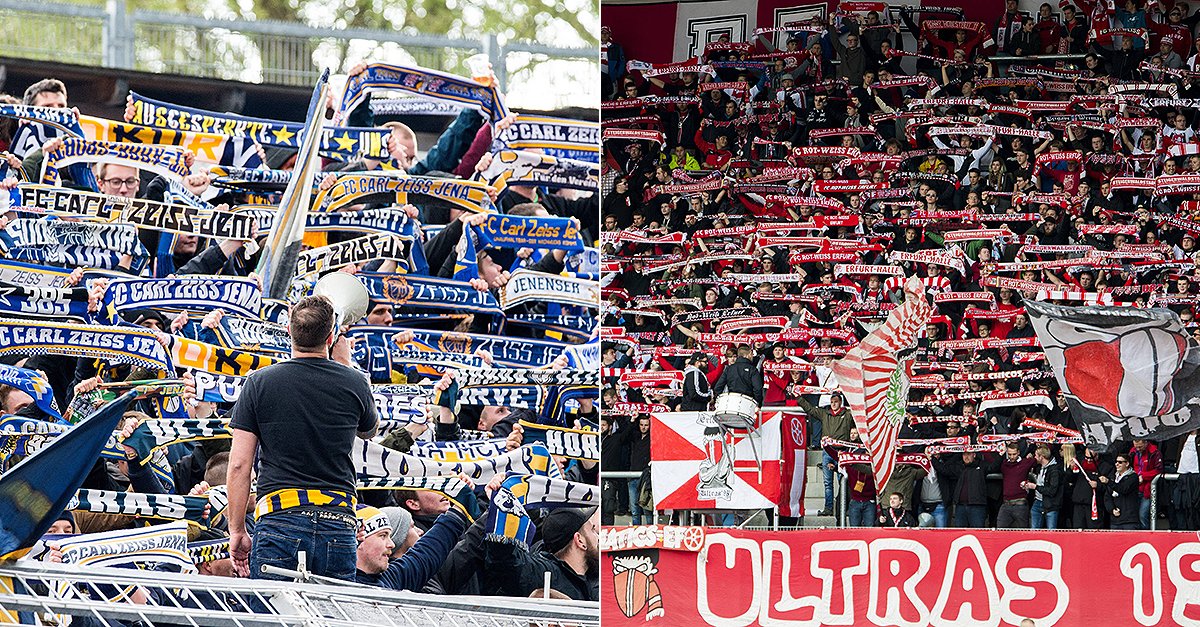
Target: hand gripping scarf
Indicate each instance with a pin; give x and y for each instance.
(508, 518)
(509, 167)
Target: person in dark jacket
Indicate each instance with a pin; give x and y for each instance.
(1047, 490)
(637, 439)
(895, 514)
(610, 459)
(1122, 62)
(969, 476)
(1025, 42)
(1087, 493)
(570, 553)
(418, 565)
(741, 377)
(1121, 496)
(852, 57)
(696, 391)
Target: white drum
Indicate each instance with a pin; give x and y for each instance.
(736, 410)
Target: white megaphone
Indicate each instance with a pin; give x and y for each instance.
(349, 297)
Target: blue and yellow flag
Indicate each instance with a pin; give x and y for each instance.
(466, 267)
(36, 490)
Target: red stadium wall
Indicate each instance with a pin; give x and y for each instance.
(914, 578)
(645, 31)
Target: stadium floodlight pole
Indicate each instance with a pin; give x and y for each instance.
(277, 265)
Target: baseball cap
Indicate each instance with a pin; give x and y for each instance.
(138, 316)
(503, 257)
(560, 526)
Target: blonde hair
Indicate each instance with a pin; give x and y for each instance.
(1068, 455)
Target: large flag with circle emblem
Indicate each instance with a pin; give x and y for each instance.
(794, 465)
(697, 466)
(874, 376)
(1126, 373)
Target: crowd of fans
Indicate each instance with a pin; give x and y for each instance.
(764, 202)
(417, 540)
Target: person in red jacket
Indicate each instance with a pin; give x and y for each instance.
(861, 511)
(1176, 27)
(1146, 461)
(967, 42)
(716, 153)
(776, 380)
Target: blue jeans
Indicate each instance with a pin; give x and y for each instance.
(938, 513)
(973, 516)
(826, 460)
(1041, 519)
(328, 542)
(814, 433)
(860, 514)
(634, 509)
(1144, 513)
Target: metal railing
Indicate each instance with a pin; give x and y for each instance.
(620, 474)
(266, 51)
(841, 498)
(1170, 476)
(176, 599)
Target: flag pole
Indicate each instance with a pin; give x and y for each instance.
(277, 264)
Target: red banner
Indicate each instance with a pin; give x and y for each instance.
(911, 577)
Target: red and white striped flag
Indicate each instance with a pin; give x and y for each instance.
(875, 379)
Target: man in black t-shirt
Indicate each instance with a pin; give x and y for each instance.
(302, 415)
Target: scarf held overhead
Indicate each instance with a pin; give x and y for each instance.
(427, 83)
(133, 346)
(341, 143)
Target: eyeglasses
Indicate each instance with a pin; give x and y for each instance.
(129, 182)
(1121, 461)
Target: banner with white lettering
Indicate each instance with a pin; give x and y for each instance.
(877, 576)
(176, 218)
(399, 189)
(424, 82)
(235, 295)
(166, 161)
(509, 231)
(134, 346)
(355, 251)
(557, 137)
(210, 148)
